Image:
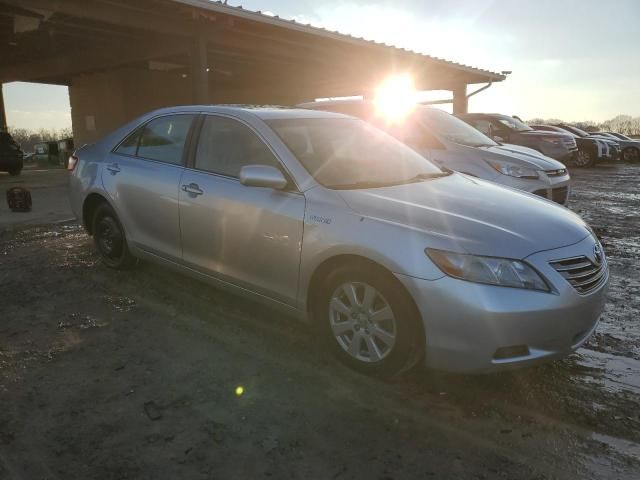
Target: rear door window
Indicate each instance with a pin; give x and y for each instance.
(130, 144)
(164, 138)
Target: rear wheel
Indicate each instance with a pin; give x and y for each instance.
(631, 154)
(369, 321)
(584, 158)
(110, 239)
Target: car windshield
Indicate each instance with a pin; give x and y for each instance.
(513, 123)
(344, 153)
(452, 128)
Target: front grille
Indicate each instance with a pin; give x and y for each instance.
(559, 194)
(582, 273)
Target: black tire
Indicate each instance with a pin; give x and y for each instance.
(631, 154)
(110, 239)
(408, 348)
(584, 159)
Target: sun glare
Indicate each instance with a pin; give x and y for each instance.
(395, 98)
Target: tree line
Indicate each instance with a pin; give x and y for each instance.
(28, 138)
(625, 124)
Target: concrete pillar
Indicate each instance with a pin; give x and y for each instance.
(3, 114)
(460, 100)
(199, 74)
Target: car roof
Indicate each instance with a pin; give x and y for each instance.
(355, 101)
(264, 112)
(340, 101)
(481, 115)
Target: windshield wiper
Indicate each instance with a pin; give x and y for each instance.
(418, 178)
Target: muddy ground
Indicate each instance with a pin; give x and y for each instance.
(110, 375)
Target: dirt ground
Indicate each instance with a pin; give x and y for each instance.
(48, 189)
(110, 375)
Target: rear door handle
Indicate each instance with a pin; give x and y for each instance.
(113, 168)
(192, 188)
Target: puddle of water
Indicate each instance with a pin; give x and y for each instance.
(619, 445)
(616, 373)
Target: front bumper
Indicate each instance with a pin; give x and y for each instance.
(556, 189)
(470, 326)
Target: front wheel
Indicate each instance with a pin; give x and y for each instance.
(110, 239)
(370, 321)
(584, 158)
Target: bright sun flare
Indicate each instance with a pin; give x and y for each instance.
(395, 98)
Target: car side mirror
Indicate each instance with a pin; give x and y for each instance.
(498, 138)
(262, 176)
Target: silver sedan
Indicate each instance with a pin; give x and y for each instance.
(395, 260)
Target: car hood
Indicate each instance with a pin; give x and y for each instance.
(472, 215)
(529, 156)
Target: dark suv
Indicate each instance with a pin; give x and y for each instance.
(506, 129)
(10, 154)
(590, 150)
(613, 147)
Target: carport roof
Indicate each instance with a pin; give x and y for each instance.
(52, 41)
(239, 11)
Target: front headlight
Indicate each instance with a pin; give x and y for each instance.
(490, 270)
(513, 170)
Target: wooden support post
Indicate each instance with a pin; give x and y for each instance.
(460, 100)
(199, 74)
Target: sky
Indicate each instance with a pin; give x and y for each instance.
(571, 59)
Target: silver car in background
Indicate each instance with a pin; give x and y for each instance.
(394, 260)
(452, 143)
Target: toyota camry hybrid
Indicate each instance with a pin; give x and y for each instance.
(395, 260)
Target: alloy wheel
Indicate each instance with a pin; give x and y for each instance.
(109, 238)
(583, 159)
(362, 322)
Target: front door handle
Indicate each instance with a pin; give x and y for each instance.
(192, 188)
(113, 168)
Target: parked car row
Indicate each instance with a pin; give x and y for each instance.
(506, 129)
(590, 150)
(630, 147)
(396, 260)
(564, 142)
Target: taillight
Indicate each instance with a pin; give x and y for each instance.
(73, 161)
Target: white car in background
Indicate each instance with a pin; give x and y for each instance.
(451, 143)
